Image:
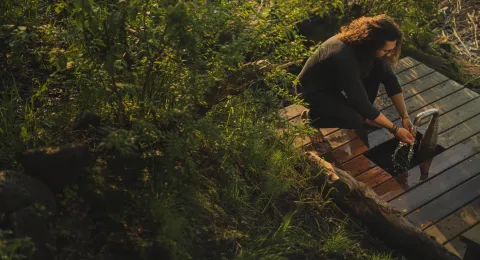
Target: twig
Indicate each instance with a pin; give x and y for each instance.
(459, 39)
(475, 26)
(471, 80)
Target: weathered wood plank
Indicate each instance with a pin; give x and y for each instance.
(410, 75)
(462, 131)
(446, 180)
(455, 223)
(472, 235)
(371, 177)
(457, 247)
(404, 64)
(407, 181)
(348, 151)
(358, 165)
(292, 111)
(341, 137)
(472, 239)
(413, 88)
(327, 131)
(418, 101)
(299, 141)
(446, 204)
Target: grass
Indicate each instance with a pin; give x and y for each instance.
(183, 176)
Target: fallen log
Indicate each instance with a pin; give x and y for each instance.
(386, 222)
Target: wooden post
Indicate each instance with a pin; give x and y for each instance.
(472, 239)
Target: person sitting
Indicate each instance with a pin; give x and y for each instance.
(341, 79)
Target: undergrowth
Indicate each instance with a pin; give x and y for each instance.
(191, 161)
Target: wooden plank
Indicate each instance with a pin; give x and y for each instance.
(410, 75)
(446, 204)
(418, 101)
(351, 149)
(465, 129)
(458, 115)
(413, 88)
(358, 165)
(407, 181)
(327, 131)
(292, 111)
(457, 247)
(446, 180)
(472, 235)
(404, 64)
(456, 223)
(370, 177)
(348, 151)
(299, 141)
(341, 137)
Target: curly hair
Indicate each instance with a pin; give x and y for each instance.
(371, 33)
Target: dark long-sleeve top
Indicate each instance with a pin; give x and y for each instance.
(336, 67)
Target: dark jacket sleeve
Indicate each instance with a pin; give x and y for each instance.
(390, 80)
(349, 78)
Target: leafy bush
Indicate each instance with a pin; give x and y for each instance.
(12, 248)
(417, 18)
(188, 93)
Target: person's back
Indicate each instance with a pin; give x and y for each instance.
(332, 60)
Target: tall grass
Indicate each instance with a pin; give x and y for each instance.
(190, 135)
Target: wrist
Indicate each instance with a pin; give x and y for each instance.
(393, 129)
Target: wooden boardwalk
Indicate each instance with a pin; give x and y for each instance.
(446, 202)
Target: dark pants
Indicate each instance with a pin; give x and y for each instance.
(329, 110)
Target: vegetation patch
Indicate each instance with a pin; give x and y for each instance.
(177, 104)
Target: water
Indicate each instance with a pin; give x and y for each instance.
(400, 163)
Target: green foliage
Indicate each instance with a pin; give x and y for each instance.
(382, 256)
(14, 248)
(417, 18)
(189, 94)
(339, 242)
(9, 136)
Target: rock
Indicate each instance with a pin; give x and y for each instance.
(56, 166)
(4, 224)
(158, 251)
(27, 223)
(18, 190)
(86, 120)
(119, 251)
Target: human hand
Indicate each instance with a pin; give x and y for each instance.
(407, 124)
(404, 135)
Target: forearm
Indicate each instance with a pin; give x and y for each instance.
(383, 121)
(399, 103)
